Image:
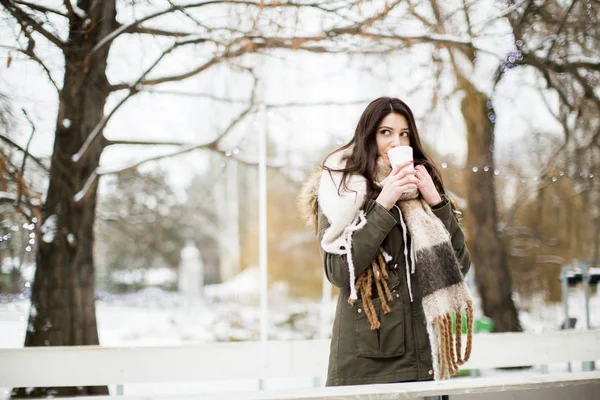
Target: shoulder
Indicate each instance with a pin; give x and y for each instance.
(337, 159)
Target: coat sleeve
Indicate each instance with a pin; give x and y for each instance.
(444, 212)
(365, 244)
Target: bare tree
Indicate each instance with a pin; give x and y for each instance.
(448, 35)
(62, 303)
(560, 40)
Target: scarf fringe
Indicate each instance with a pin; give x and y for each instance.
(364, 285)
(448, 355)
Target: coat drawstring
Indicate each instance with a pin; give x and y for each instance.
(357, 224)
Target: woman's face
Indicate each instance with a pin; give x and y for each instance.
(392, 132)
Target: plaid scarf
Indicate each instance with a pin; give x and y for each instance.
(430, 259)
(433, 263)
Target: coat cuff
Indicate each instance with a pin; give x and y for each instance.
(443, 210)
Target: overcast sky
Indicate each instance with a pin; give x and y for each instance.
(288, 77)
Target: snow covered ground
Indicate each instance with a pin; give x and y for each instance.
(230, 312)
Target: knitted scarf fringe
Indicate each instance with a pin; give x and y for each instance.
(364, 285)
(447, 354)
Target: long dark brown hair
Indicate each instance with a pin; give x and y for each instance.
(363, 159)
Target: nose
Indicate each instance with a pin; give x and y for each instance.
(396, 141)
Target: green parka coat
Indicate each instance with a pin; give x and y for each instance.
(399, 350)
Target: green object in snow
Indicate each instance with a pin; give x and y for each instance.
(481, 324)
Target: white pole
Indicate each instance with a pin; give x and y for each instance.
(325, 304)
(262, 217)
(325, 325)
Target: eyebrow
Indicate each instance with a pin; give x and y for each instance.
(387, 127)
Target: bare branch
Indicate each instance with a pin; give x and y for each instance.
(199, 95)
(318, 103)
(69, 7)
(156, 32)
(186, 148)
(113, 35)
(188, 15)
(133, 89)
(24, 151)
(92, 181)
(560, 28)
(28, 142)
(569, 65)
(268, 105)
(173, 78)
(24, 18)
(447, 40)
(108, 142)
(212, 145)
(40, 8)
(504, 13)
(466, 8)
(76, 158)
(413, 10)
(31, 54)
(150, 82)
(22, 173)
(7, 198)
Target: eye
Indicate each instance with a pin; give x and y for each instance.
(385, 132)
(405, 134)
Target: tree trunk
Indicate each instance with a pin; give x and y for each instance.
(491, 268)
(62, 301)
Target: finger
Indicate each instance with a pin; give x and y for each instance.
(421, 168)
(406, 188)
(396, 169)
(407, 180)
(406, 172)
(400, 167)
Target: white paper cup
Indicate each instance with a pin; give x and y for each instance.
(400, 155)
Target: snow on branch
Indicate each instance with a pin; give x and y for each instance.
(6, 197)
(73, 9)
(91, 181)
(156, 32)
(109, 142)
(583, 62)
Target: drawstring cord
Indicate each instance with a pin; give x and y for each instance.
(357, 224)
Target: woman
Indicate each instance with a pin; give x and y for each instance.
(390, 241)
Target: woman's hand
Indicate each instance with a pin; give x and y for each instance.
(401, 179)
(426, 186)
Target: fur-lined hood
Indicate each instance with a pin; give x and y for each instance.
(322, 189)
(308, 199)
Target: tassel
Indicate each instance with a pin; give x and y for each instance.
(443, 353)
(450, 343)
(469, 330)
(459, 360)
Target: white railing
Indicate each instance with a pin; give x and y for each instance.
(96, 365)
(575, 386)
